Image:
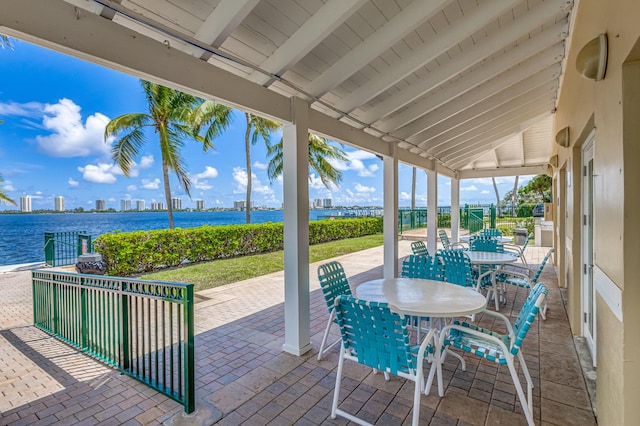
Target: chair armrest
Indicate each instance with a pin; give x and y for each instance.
(515, 274)
(513, 247)
(504, 319)
(459, 245)
(481, 335)
(516, 268)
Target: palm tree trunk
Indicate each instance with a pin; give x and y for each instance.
(495, 188)
(167, 192)
(247, 149)
(413, 190)
(514, 197)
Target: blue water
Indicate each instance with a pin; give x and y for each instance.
(22, 235)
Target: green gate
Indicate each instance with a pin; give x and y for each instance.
(63, 248)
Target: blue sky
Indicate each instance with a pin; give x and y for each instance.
(55, 108)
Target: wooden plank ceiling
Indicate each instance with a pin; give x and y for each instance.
(469, 83)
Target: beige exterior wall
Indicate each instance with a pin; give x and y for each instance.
(612, 107)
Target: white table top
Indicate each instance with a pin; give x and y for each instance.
(503, 240)
(491, 258)
(427, 298)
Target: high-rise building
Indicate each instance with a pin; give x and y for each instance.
(25, 203)
(199, 204)
(125, 205)
(238, 205)
(327, 203)
(101, 205)
(140, 205)
(176, 204)
(58, 204)
(157, 205)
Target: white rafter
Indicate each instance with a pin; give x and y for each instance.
(481, 111)
(492, 44)
(480, 17)
(223, 20)
(522, 152)
(329, 17)
(389, 34)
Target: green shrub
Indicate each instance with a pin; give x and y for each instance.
(129, 253)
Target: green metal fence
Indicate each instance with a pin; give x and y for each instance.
(63, 248)
(417, 218)
(143, 328)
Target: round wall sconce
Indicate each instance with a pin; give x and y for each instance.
(591, 62)
(562, 137)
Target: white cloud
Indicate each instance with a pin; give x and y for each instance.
(364, 189)
(38, 192)
(71, 137)
(131, 188)
(200, 180)
(111, 199)
(484, 191)
(72, 182)
(146, 162)
(100, 173)
(355, 163)
(209, 172)
(150, 184)
(29, 109)
(260, 166)
(8, 186)
(469, 188)
(241, 180)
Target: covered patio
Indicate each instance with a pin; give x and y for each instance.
(244, 377)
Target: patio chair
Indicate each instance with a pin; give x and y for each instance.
(333, 282)
(447, 244)
(457, 267)
(519, 251)
(486, 244)
(520, 276)
(491, 232)
(419, 248)
(376, 335)
(501, 349)
(425, 267)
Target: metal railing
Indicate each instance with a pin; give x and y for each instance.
(143, 328)
(63, 248)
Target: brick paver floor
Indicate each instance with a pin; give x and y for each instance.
(244, 377)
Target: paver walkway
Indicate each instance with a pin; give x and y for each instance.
(243, 377)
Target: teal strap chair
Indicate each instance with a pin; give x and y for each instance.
(524, 277)
(425, 267)
(501, 349)
(457, 267)
(376, 335)
(519, 251)
(333, 282)
(486, 244)
(447, 244)
(491, 232)
(419, 248)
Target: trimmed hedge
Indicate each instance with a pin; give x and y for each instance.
(129, 253)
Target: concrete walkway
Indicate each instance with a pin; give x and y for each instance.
(243, 377)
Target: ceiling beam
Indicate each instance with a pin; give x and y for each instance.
(472, 22)
(503, 171)
(462, 109)
(492, 117)
(521, 146)
(495, 156)
(329, 17)
(532, 55)
(224, 19)
(473, 149)
(390, 33)
(483, 49)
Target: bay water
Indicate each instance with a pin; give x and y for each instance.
(22, 235)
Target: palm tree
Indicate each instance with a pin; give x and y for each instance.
(320, 152)
(5, 42)
(4, 197)
(171, 115)
(257, 128)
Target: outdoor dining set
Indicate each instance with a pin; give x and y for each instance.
(397, 325)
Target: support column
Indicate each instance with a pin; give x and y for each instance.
(297, 323)
(455, 209)
(432, 211)
(390, 226)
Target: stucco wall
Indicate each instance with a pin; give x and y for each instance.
(616, 198)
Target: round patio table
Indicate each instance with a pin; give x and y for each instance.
(494, 260)
(466, 238)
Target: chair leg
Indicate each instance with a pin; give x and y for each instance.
(543, 311)
(322, 349)
(336, 392)
(416, 397)
(527, 404)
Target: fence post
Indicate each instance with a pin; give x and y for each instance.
(492, 223)
(49, 258)
(83, 313)
(124, 328)
(189, 356)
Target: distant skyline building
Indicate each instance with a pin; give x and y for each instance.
(125, 205)
(140, 205)
(327, 203)
(322, 203)
(101, 205)
(199, 204)
(157, 206)
(58, 203)
(25, 203)
(240, 205)
(176, 203)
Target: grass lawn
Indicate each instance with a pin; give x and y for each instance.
(225, 271)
